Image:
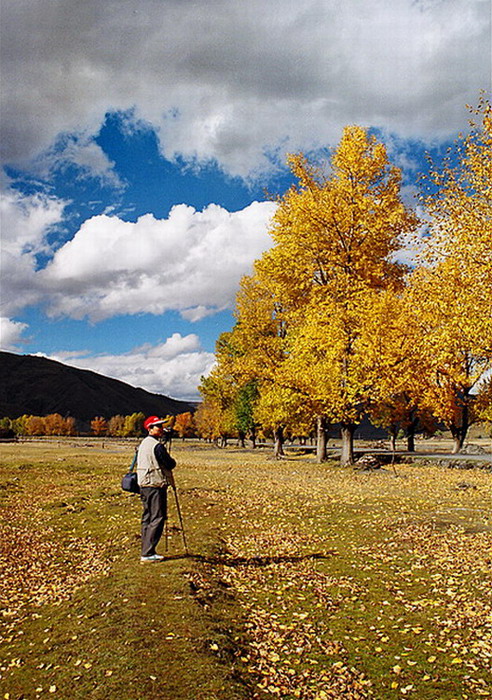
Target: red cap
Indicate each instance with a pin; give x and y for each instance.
(151, 421)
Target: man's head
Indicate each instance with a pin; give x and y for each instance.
(154, 425)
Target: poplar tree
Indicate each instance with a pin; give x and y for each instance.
(219, 392)
(334, 240)
(260, 351)
(452, 288)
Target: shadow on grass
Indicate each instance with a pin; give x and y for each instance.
(251, 561)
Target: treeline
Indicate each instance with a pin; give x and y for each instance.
(116, 426)
(52, 424)
(365, 306)
(183, 425)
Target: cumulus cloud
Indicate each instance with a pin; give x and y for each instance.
(26, 221)
(11, 334)
(235, 81)
(173, 368)
(191, 262)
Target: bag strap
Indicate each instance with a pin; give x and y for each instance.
(134, 459)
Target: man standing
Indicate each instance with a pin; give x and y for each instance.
(154, 471)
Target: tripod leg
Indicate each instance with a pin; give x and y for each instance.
(180, 519)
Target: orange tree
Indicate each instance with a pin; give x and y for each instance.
(35, 425)
(184, 425)
(206, 421)
(55, 424)
(99, 426)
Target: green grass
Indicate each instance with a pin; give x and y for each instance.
(303, 580)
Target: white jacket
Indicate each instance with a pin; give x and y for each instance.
(149, 472)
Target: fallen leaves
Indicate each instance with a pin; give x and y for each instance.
(396, 604)
(436, 581)
(36, 568)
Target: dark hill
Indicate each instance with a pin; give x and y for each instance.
(38, 386)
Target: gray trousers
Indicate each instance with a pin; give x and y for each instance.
(154, 501)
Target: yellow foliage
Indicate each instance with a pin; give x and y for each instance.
(451, 293)
(483, 406)
(459, 198)
(334, 239)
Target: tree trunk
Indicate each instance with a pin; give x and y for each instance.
(393, 434)
(411, 440)
(252, 437)
(347, 432)
(278, 448)
(240, 439)
(459, 435)
(322, 441)
(459, 432)
(410, 434)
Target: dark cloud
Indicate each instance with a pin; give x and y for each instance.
(242, 77)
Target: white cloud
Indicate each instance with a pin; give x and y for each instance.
(11, 334)
(25, 223)
(26, 220)
(173, 368)
(191, 262)
(232, 81)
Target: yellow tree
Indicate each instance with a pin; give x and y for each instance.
(19, 425)
(133, 425)
(452, 290)
(457, 349)
(458, 197)
(116, 426)
(394, 344)
(281, 411)
(207, 420)
(335, 237)
(219, 390)
(483, 406)
(260, 351)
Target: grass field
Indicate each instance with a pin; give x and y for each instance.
(303, 580)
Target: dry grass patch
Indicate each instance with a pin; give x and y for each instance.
(304, 580)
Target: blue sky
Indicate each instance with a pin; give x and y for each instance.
(139, 137)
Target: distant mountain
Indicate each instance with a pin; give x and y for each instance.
(38, 386)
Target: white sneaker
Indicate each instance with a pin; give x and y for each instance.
(152, 557)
